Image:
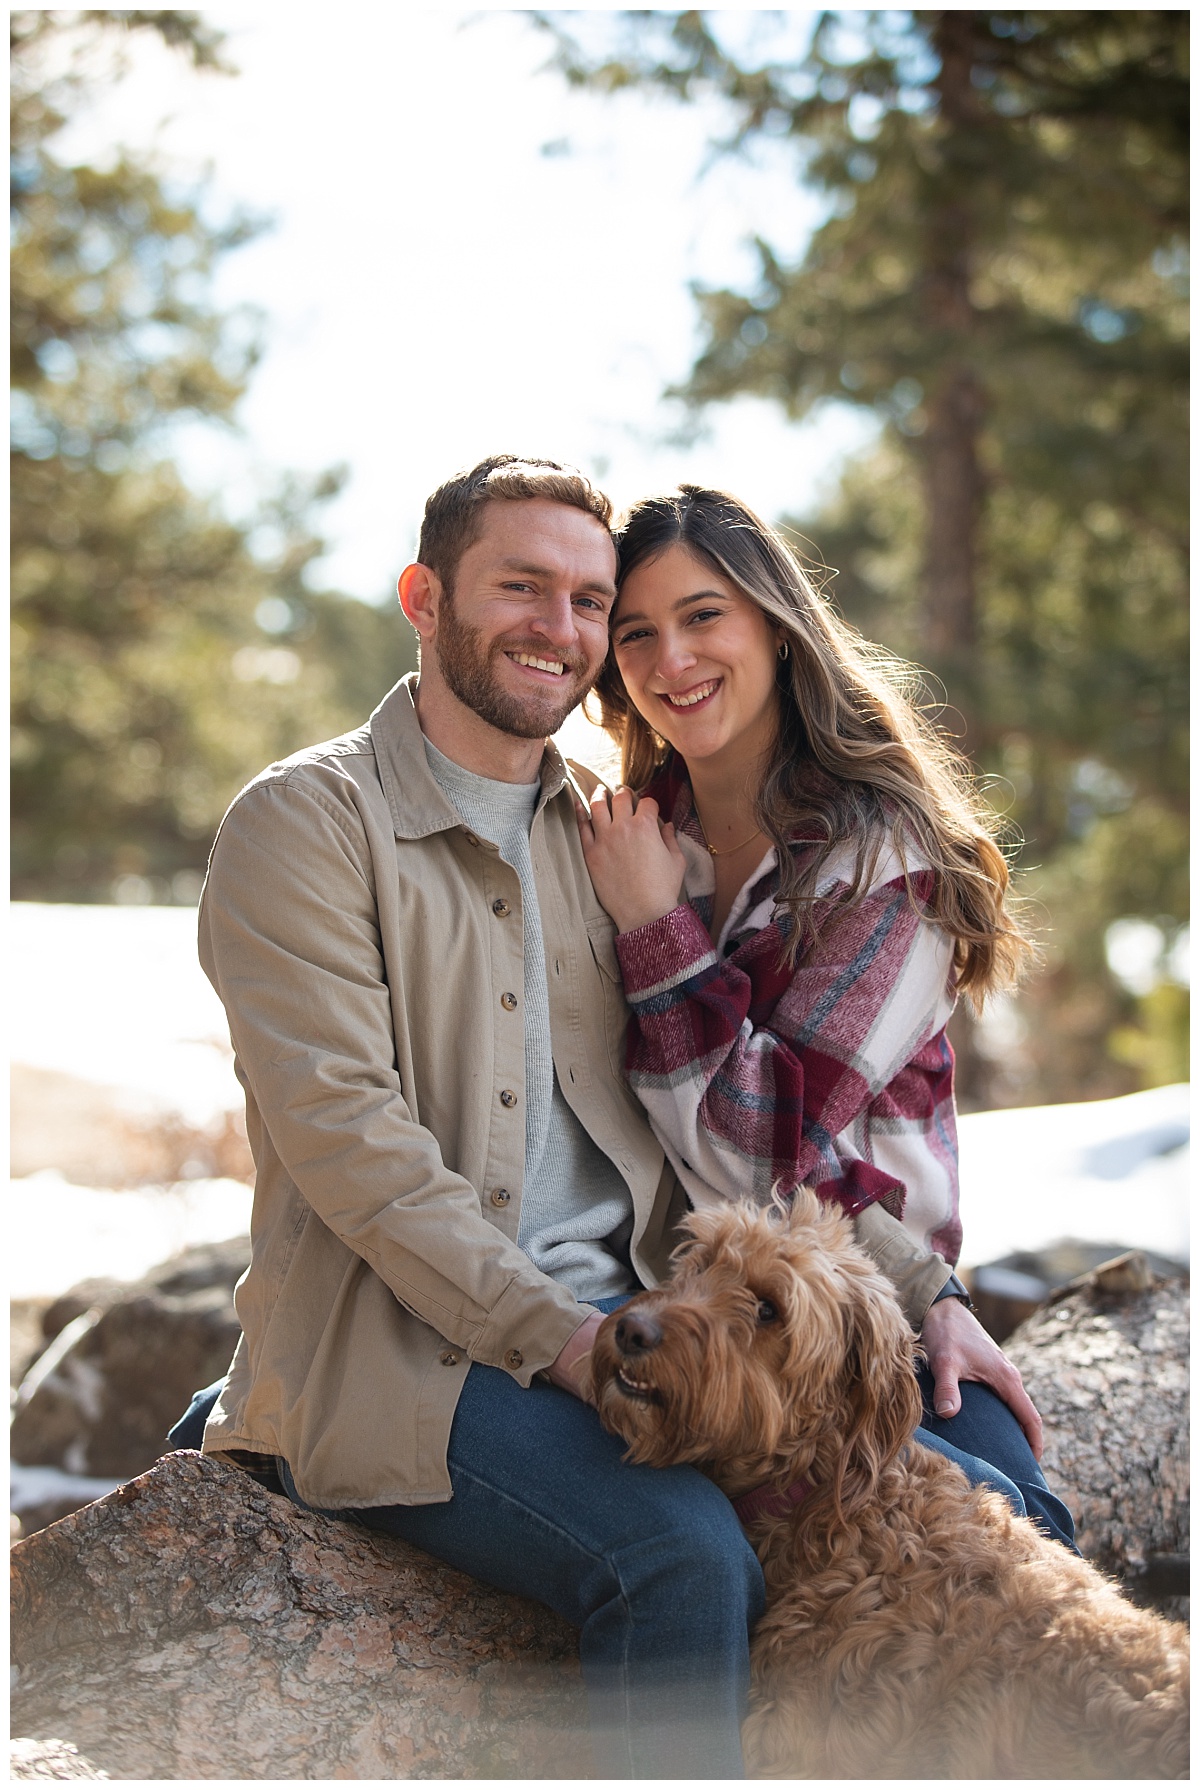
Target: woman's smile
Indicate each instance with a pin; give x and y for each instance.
(689, 699)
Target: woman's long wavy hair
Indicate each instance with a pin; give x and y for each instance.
(855, 761)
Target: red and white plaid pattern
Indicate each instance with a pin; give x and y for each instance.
(837, 1073)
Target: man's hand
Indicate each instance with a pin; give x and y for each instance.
(958, 1347)
(633, 857)
(572, 1366)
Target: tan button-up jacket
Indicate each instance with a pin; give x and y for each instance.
(366, 946)
(363, 942)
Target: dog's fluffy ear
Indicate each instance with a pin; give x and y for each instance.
(881, 1401)
(799, 1207)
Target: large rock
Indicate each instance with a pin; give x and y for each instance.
(122, 1361)
(193, 1625)
(198, 1268)
(26, 1336)
(1107, 1367)
(1008, 1291)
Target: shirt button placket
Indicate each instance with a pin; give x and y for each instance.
(500, 1198)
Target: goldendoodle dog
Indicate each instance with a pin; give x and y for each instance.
(915, 1626)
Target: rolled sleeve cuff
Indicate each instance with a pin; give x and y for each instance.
(917, 1274)
(522, 1334)
(658, 956)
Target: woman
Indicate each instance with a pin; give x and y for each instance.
(804, 888)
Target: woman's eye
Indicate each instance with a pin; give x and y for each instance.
(766, 1312)
(630, 639)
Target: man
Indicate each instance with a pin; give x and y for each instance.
(453, 1181)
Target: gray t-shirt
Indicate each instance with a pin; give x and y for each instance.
(576, 1210)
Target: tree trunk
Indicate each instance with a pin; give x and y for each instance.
(955, 406)
(954, 500)
(193, 1626)
(1107, 1367)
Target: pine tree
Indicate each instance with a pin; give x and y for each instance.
(1001, 279)
(158, 661)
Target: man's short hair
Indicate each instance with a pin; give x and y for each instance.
(454, 514)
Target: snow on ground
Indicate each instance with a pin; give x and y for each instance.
(59, 1234)
(29, 1487)
(1104, 1171)
(115, 996)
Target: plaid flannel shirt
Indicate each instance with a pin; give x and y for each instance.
(837, 1073)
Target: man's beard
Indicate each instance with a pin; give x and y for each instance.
(466, 665)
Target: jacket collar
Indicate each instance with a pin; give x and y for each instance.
(417, 804)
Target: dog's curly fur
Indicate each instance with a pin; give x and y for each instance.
(915, 1626)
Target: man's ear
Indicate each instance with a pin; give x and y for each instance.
(420, 591)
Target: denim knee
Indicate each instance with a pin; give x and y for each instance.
(700, 1561)
(978, 1472)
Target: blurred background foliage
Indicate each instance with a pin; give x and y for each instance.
(162, 653)
(1002, 280)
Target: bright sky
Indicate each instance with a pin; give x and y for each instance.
(468, 257)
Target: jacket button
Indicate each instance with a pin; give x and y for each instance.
(449, 1358)
(514, 1358)
(500, 1196)
(501, 907)
(472, 839)
(508, 1002)
(507, 1097)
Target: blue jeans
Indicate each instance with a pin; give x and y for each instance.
(650, 1564)
(985, 1433)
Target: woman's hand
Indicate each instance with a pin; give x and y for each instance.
(633, 857)
(958, 1347)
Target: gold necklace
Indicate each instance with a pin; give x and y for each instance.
(726, 851)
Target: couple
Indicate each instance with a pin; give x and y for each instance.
(495, 1037)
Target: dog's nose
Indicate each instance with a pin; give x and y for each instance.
(637, 1333)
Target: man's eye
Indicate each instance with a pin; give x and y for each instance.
(766, 1312)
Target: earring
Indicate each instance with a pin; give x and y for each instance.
(784, 649)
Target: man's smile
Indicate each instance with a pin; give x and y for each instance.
(554, 666)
